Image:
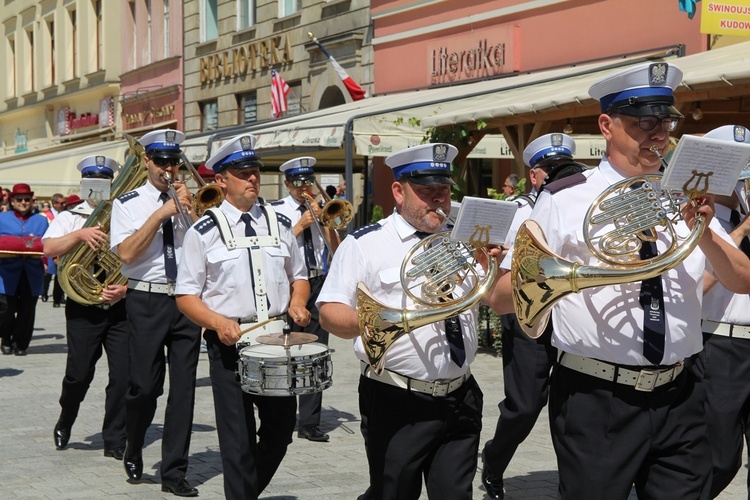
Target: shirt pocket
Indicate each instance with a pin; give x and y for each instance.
(390, 280)
(275, 263)
(225, 267)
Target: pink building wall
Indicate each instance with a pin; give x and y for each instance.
(559, 34)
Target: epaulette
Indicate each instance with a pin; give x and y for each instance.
(565, 182)
(528, 198)
(284, 220)
(205, 225)
(366, 229)
(128, 196)
(277, 203)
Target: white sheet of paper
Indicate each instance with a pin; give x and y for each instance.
(482, 218)
(723, 160)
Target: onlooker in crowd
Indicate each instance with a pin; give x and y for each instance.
(58, 206)
(623, 408)
(22, 274)
(724, 363)
(331, 191)
(510, 187)
(313, 240)
(341, 190)
(147, 234)
(89, 328)
(422, 416)
(224, 292)
(526, 361)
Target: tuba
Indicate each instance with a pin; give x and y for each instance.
(431, 270)
(639, 210)
(84, 273)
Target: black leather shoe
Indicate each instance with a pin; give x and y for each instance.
(493, 485)
(20, 352)
(7, 349)
(56, 304)
(179, 487)
(312, 433)
(116, 453)
(61, 435)
(133, 463)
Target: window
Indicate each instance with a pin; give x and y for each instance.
(30, 83)
(288, 7)
(245, 14)
(166, 29)
(209, 115)
(135, 34)
(73, 23)
(149, 29)
(97, 5)
(247, 105)
(293, 99)
(52, 54)
(10, 73)
(209, 20)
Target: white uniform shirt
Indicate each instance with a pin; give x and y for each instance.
(719, 304)
(290, 207)
(222, 278)
(522, 214)
(606, 322)
(375, 259)
(128, 216)
(65, 223)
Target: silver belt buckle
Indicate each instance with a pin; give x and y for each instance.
(170, 289)
(646, 380)
(440, 388)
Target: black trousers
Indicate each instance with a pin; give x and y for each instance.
(526, 370)
(248, 464)
(724, 370)
(409, 435)
(89, 330)
(17, 314)
(608, 437)
(155, 324)
(310, 405)
(57, 292)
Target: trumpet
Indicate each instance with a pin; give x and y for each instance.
(336, 214)
(173, 194)
(308, 203)
(208, 194)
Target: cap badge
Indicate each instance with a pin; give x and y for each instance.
(99, 161)
(557, 140)
(440, 152)
(171, 135)
(739, 133)
(657, 74)
(304, 162)
(246, 143)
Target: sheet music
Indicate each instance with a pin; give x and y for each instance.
(697, 159)
(485, 219)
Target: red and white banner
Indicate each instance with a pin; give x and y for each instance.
(279, 91)
(355, 91)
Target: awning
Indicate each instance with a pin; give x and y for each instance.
(56, 172)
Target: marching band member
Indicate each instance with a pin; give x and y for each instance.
(148, 236)
(91, 327)
(21, 270)
(423, 415)
(623, 408)
(221, 287)
(299, 177)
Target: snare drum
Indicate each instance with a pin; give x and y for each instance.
(270, 370)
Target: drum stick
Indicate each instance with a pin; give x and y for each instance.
(257, 325)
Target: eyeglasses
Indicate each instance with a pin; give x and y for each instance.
(26, 198)
(163, 162)
(649, 123)
(300, 184)
(58, 203)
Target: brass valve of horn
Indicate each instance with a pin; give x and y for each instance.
(430, 273)
(619, 220)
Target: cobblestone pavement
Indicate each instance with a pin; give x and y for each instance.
(30, 467)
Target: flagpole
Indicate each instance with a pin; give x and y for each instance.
(268, 63)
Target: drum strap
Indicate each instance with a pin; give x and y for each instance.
(255, 245)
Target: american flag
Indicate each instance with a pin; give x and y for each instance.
(279, 91)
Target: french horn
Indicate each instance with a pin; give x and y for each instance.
(431, 271)
(637, 210)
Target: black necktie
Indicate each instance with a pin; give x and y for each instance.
(652, 301)
(170, 261)
(735, 220)
(310, 260)
(453, 330)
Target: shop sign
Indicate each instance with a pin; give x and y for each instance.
(727, 17)
(107, 112)
(240, 60)
(484, 59)
(149, 116)
(67, 121)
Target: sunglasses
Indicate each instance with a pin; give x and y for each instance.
(300, 184)
(649, 123)
(26, 198)
(163, 162)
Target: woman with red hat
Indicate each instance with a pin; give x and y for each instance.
(21, 270)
